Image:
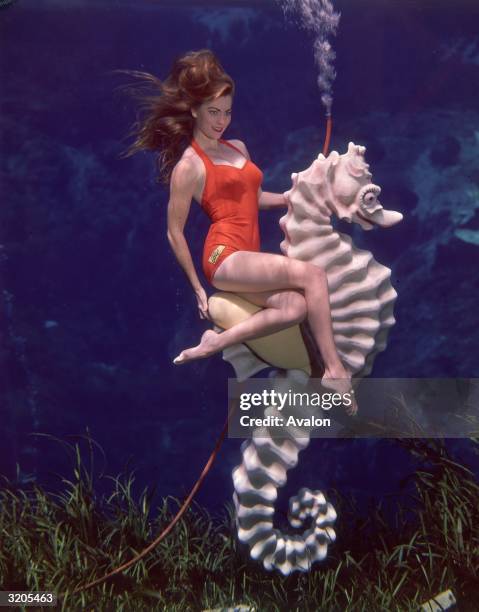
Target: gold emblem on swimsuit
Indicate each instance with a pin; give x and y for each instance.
(215, 253)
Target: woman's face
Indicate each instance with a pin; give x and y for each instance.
(213, 117)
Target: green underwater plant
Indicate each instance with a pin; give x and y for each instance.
(59, 541)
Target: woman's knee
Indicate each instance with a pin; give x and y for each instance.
(306, 272)
(294, 306)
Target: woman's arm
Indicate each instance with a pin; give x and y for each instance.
(182, 185)
(271, 201)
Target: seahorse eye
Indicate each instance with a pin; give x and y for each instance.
(369, 198)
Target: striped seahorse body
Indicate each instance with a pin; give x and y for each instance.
(362, 301)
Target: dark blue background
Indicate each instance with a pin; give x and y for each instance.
(95, 305)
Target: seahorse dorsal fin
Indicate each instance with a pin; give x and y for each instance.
(356, 149)
(333, 157)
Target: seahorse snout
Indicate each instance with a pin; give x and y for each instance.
(384, 218)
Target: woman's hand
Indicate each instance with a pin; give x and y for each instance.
(202, 299)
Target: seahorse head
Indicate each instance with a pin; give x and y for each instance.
(342, 185)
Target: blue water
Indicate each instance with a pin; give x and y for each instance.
(95, 305)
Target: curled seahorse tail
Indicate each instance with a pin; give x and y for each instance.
(256, 480)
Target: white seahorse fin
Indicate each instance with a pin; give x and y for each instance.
(244, 362)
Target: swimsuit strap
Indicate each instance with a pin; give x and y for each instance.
(233, 147)
(201, 153)
(204, 156)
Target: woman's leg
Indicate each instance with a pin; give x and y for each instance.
(281, 309)
(252, 272)
(264, 278)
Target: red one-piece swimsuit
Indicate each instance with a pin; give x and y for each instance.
(230, 199)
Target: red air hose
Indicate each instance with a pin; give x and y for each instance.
(327, 138)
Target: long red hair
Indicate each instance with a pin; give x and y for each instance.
(164, 121)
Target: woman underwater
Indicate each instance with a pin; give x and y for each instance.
(186, 124)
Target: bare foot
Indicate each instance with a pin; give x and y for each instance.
(339, 380)
(208, 346)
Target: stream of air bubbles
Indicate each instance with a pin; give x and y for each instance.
(318, 17)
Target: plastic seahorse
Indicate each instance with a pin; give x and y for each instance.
(362, 300)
